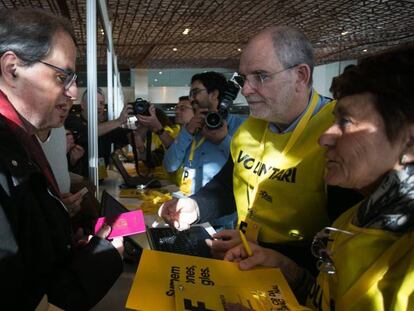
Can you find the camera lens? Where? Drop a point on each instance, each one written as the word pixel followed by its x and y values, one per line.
pixel 141 107
pixel 213 120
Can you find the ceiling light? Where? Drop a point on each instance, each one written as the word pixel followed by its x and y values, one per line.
pixel 155 80
pixel 344 33
pixel 364 50
pixel 186 31
pixel 175 49
pixel 160 72
pixel 239 49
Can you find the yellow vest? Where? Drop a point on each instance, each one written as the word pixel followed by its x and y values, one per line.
pixel 374 270
pixel 156 141
pixel 290 202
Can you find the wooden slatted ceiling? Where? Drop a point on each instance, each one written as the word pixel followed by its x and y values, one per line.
pixel 146 31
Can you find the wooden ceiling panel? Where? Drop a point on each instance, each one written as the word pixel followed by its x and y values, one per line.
pixel 146 31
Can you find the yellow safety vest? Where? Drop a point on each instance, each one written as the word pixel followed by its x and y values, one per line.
pixel 156 141
pixel 374 270
pixel 290 201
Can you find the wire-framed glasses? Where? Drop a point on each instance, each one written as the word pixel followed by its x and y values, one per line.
pixel 319 248
pixel 69 75
pixel 259 78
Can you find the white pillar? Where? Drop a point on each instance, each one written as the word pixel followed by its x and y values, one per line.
pixel 92 90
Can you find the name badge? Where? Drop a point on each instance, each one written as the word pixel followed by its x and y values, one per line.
pixel 187 180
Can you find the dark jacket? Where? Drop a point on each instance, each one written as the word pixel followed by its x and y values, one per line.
pixel 79 127
pixel 36 257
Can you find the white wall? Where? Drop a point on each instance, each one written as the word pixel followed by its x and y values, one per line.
pixel 170 94
pixel 322 79
pixel 322 75
pixel 166 94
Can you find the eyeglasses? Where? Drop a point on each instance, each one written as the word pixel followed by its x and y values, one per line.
pixel 319 249
pixel 194 92
pixel 257 80
pixel 69 75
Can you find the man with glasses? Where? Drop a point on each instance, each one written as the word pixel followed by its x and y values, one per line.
pixel 109 132
pixel 199 152
pixel 183 111
pixel 276 166
pixel 38 261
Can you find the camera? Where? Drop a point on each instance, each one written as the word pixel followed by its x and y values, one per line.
pixel 141 106
pixel 214 119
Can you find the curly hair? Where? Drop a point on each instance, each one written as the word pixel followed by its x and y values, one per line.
pixel 389 77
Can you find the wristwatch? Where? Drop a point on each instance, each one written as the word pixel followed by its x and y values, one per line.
pixel 160 131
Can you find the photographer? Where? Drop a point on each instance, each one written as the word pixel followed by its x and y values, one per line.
pixel 108 131
pixel 154 134
pixel 198 151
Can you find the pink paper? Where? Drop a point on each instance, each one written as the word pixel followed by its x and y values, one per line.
pixel 123 224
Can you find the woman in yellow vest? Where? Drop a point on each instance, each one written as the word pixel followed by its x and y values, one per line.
pixel 366 259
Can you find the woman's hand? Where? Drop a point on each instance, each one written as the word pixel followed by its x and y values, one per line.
pixel 265 257
pixel 222 242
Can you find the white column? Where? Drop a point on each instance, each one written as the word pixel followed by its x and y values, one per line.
pixel 92 79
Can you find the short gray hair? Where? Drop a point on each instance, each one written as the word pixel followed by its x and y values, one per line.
pixel 292 47
pixel 100 91
pixel 28 32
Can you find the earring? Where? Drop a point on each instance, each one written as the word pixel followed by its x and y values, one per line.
pixel 403 160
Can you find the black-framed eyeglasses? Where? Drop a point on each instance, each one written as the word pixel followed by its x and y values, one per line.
pixel 194 92
pixel 319 248
pixel 258 79
pixel 70 76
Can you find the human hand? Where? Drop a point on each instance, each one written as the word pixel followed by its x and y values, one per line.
pixel 151 121
pixel 72 202
pixel 216 136
pixel 265 257
pixel 118 242
pixel 197 121
pixel 179 213
pixel 125 113
pixel 222 241
pixel 76 153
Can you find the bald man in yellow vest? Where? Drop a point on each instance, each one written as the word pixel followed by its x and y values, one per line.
pixel 276 167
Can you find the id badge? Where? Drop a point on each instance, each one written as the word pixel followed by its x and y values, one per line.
pixel 187 180
pixel 250 228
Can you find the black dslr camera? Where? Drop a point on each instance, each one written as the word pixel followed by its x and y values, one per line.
pixel 141 106
pixel 214 119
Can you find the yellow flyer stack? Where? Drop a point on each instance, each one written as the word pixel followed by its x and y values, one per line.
pixel 166 281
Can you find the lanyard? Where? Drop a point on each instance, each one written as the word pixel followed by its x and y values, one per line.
pixel 194 146
pixel 300 127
